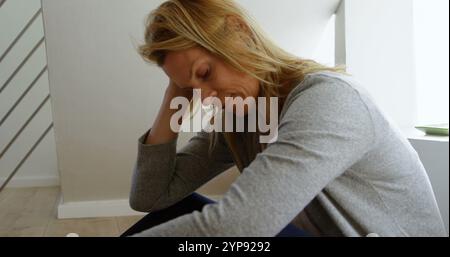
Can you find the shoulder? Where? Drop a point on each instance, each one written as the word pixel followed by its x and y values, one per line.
pixel 326 91
pixel 328 102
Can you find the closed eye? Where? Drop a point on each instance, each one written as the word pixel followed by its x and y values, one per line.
pixel 204 74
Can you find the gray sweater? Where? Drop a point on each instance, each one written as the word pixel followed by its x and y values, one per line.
pixel 337 162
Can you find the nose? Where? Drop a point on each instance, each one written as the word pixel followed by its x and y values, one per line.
pixel 205 93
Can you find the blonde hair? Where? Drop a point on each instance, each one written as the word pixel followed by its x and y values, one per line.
pixel 181 24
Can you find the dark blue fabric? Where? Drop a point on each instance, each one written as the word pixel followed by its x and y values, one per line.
pixel 194 202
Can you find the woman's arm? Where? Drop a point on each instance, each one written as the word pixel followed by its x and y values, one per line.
pixel 325 130
pixel 161 176
pixel 161 132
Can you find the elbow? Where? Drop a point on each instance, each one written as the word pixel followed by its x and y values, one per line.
pixel 145 203
pixel 139 204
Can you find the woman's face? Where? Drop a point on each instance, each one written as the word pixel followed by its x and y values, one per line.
pixel 196 68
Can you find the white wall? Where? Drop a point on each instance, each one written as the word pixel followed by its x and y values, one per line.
pixel 295 25
pixel 375 41
pixel 103 94
pixel 431 36
pixel 434 154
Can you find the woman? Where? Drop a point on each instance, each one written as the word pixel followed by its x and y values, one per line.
pixel 337 166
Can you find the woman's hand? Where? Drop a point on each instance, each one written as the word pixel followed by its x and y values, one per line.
pixel 161 132
pixel 173 90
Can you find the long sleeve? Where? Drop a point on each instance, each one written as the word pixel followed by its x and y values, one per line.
pixel 323 131
pixel 162 176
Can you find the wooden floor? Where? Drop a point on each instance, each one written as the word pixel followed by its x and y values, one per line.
pixel 32 212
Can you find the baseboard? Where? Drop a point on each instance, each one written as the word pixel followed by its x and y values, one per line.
pixel 106 208
pixel 19 182
pixel 94 209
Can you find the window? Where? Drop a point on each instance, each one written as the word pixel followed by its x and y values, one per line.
pixel 431 28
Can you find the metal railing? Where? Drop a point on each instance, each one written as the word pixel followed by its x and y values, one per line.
pixel 21 97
